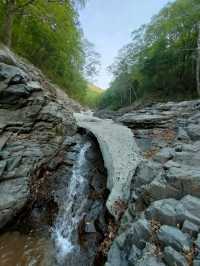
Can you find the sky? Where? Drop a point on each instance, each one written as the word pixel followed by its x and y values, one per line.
pixel 108 25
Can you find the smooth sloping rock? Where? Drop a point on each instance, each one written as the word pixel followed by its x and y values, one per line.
pixel 120 154
pixel 172 257
pixel 171 236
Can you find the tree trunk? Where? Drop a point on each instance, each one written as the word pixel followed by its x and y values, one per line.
pixel 8 22
pixel 198 61
pixel 130 96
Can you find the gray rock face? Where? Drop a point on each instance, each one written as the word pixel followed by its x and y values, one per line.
pixel 172 257
pixel 120 154
pixel 171 236
pixel 33 126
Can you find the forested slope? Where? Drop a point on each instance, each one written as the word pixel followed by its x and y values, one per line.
pixel 49 35
pixel 162 60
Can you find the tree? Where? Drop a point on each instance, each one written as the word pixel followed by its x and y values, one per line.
pixel 92 61
pixel 12 8
pixel 198 60
pixel 161 58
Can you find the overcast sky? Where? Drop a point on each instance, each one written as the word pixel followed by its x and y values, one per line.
pixel 109 23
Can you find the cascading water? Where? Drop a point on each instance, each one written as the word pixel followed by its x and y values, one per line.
pixel 71 213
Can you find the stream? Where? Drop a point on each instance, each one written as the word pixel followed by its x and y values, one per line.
pixel 71 213
pixel 77 232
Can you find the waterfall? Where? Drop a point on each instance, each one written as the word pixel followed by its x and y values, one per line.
pixel 65 229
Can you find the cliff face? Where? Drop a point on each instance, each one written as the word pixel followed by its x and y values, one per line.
pixel 34 123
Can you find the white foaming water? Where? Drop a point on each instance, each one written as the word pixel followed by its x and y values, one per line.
pixel 69 216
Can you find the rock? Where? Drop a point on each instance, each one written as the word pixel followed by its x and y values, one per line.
pixel 182 135
pixel 164 155
pixel 196 263
pixel 194 131
pixel 120 169
pixel 171 236
pixel 145 173
pixel 116 257
pixel 137 234
pixel 9 72
pixel 190 228
pixel 184 179
pixel 149 256
pixel 172 257
pixel 135 255
pixel 2 167
pixel 197 242
pixel 163 211
pixel 159 189
pixel 14 194
pixel 135 120
pixel 188 209
pixel 150 260
pixel 33 126
pixel 90 227
pixel 3 141
pixel 165 188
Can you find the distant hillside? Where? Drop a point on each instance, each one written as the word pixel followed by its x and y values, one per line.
pixel 93 95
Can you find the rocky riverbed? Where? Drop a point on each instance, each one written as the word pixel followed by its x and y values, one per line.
pixel 122 191
pixel 161 223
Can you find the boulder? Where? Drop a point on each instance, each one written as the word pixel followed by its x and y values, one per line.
pixel 190 228
pixel 163 211
pixel 150 260
pixel 164 155
pixel 137 120
pixel 149 256
pixel 194 131
pixel 196 263
pixel 188 209
pixel 171 236
pixel 172 257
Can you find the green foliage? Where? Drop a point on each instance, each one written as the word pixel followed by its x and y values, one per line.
pixel 92 96
pixel 160 60
pixel 47 33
